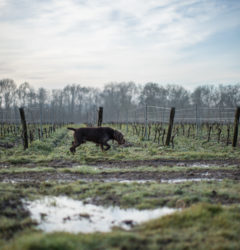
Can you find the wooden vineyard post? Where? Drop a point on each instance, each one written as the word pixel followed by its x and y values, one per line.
pixel 100 116
pixel 24 128
pixel 197 122
pixel 170 126
pixel 146 121
pixel 41 120
pixel 127 122
pixel 236 122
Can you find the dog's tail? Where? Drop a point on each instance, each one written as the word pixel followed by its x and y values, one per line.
pixel 74 129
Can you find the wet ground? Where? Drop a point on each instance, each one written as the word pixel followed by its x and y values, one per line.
pixel 120 176
pixel 131 163
pixel 61 214
pixel 168 162
pixel 199 170
pixel 65 214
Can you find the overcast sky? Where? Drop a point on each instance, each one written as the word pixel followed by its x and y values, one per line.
pixel 51 43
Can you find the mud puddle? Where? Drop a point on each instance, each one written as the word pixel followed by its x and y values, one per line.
pixel 65 214
pixel 180 180
pixel 139 176
pixel 169 162
pixel 60 163
pixel 191 180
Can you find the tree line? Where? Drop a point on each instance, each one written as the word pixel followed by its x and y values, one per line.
pixel 78 103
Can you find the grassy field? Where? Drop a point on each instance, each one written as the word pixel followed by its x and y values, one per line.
pixel 201 179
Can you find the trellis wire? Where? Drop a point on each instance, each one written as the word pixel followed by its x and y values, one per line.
pixel 34 115
pixel 194 114
pixel 201 115
pixel 154 114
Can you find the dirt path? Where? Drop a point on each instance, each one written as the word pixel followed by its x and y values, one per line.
pixel 167 162
pixel 134 175
pixel 121 176
pixel 130 163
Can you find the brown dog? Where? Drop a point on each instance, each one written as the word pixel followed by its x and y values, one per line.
pixel 99 135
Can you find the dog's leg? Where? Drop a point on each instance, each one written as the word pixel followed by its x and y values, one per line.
pixel 72 149
pixel 74 146
pixel 108 146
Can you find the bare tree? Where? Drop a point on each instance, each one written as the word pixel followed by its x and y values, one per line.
pixel 177 96
pixel 230 95
pixel 153 94
pixel 23 93
pixel 7 92
pixel 206 96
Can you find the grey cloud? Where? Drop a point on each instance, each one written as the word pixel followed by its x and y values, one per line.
pixel 20 10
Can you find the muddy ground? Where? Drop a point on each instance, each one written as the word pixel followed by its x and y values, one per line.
pixel 130 163
pixel 167 162
pixel 132 175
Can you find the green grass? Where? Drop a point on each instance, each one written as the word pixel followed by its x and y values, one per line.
pixel 139 195
pixel 202 226
pixel 57 148
pixel 210 218
pixel 86 169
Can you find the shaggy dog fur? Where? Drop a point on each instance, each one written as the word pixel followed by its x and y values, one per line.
pixel 99 135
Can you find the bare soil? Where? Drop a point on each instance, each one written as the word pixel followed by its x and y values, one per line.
pixel 130 164
pixel 203 173
pixel 120 176
pixel 167 162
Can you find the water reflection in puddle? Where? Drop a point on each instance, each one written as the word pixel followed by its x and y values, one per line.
pixel 15 180
pixel 128 181
pixel 200 165
pixel 191 179
pixel 195 165
pixel 65 214
pixel 177 180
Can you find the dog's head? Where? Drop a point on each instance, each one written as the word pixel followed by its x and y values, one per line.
pixel 119 137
